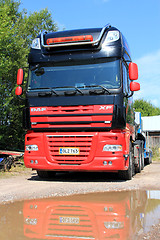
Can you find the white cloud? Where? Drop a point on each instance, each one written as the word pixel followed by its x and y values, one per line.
pixel 149 78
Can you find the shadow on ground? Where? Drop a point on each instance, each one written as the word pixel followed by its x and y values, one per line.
pixel 79 177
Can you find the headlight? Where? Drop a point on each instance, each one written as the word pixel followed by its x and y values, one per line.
pixel 36 43
pixel 30 221
pixel 31 147
pixel 112 148
pixel 114 225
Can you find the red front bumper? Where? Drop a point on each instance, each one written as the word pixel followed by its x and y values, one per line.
pixel 92 156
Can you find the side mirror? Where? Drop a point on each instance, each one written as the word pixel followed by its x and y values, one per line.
pixel 20 76
pixel 133 71
pixel 134 86
pixel 18 91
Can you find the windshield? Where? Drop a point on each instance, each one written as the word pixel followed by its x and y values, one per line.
pixel 103 74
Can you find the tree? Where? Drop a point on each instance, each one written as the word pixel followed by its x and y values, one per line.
pixel 18 29
pixel 146 108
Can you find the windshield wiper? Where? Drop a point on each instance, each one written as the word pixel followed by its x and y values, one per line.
pixel 71 92
pixel 98 91
pixel 41 94
pixel 78 90
pixel 54 92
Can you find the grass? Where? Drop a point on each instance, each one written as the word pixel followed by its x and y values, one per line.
pixel 18 169
pixel 156 153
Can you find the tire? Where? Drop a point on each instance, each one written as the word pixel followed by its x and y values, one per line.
pixel 4 164
pixel 147 161
pixel 127 174
pixel 150 159
pixel 142 160
pixel 139 167
pixel 45 174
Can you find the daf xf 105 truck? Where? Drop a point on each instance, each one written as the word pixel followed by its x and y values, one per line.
pixel 79 106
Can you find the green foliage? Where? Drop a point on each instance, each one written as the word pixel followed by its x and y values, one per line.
pixel 18 29
pixel 146 108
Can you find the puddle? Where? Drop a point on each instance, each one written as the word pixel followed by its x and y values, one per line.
pixel 112 215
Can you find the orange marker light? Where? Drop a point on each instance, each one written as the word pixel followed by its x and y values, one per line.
pixel 84 38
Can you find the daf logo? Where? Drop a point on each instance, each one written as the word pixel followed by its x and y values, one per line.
pixel 38 109
pixel 105 107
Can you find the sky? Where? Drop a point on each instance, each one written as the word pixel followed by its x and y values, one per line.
pixel 138 20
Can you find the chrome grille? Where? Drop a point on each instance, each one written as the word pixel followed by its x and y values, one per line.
pixel 77 223
pixel 83 142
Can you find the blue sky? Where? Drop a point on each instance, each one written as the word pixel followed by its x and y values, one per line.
pixel 138 20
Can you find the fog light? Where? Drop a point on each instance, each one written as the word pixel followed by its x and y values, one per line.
pixel 105 163
pixel 36 161
pixel 31 161
pixel 110 163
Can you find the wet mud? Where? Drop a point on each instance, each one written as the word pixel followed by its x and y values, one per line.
pixel 110 215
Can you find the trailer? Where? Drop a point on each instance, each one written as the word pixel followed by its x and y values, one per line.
pixel 79 103
pixel 143 137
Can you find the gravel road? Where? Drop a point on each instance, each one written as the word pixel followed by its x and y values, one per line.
pixel 29 185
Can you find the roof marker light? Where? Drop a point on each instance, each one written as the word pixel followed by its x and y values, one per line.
pixel 112 36
pixel 83 38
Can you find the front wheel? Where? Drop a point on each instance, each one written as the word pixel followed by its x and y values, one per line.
pixel 139 167
pixel 46 174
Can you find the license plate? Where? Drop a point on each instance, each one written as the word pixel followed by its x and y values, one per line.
pixel 69 151
pixel 69 220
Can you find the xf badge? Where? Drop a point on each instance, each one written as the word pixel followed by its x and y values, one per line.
pixel 105 107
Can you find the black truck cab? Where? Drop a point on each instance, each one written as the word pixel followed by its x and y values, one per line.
pixel 80 67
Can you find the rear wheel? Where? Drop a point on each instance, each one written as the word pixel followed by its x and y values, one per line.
pixel 150 158
pixel 139 167
pixel 46 174
pixel 147 161
pixel 142 158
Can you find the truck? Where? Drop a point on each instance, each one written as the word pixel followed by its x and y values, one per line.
pixel 79 103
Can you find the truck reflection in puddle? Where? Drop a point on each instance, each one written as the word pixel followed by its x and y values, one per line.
pixel 111 215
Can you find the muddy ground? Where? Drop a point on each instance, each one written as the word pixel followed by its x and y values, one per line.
pixel 28 185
